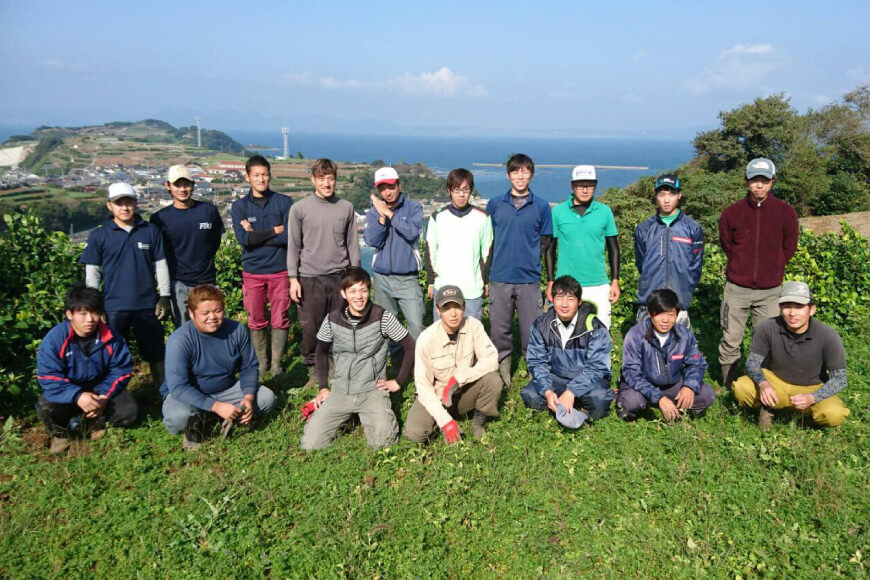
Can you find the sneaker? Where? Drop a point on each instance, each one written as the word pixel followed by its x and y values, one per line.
pixel 58 445
pixel 765 419
pixel 478 424
pixel 191 441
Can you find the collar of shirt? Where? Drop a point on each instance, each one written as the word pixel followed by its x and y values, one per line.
pixel 808 335
pixel 445 338
pixel 566 332
pixel 508 200
pixel 267 194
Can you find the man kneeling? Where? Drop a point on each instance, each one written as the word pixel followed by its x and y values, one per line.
pixel 569 359
pixel 360 335
pixel 455 372
pixel 661 364
pixel 804 363
pixel 210 367
pixel 83 369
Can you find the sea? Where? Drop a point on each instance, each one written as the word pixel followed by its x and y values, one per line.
pixel 643 156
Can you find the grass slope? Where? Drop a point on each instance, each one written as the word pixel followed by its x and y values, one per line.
pixel 711 497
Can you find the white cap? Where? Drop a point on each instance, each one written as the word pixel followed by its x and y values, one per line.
pixel 584 173
pixel 386 175
pixel 121 189
pixel 177 172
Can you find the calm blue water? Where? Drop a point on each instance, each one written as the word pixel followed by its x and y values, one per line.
pixel 443 154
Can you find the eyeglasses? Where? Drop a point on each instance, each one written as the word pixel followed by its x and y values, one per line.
pixel 464 190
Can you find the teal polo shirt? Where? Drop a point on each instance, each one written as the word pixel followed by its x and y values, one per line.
pixel 581 242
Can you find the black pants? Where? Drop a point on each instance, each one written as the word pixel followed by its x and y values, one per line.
pixel 320 296
pixel 146 328
pixel 121 411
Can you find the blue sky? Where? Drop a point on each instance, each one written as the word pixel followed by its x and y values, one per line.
pixel 480 68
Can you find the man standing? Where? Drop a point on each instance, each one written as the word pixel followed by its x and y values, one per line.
pixel 662 365
pixel 795 362
pixel 126 254
pixel 458 242
pixel 359 335
pixel 569 359
pixel 323 241
pixel 260 222
pixel 582 228
pixel 192 233
pixel 393 226
pixel 522 228
pixel 83 369
pixel 455 372
pixel 210 367
pixel 668 250
pixel 759 235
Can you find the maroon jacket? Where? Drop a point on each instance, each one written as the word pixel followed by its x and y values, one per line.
pixel 759 239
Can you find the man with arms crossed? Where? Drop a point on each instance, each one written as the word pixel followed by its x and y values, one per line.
pixel 393 227
pixel 83 369
pixel 359 334
pixel 260 224
pixel 210 368
pixel 323 242
pixel 455 372
pixel 192 233
pixel 126 254
pixel 458 242
pixel 522 229
pixel 795 362
pixel 582 228
pixel 569 359
pixel 759 235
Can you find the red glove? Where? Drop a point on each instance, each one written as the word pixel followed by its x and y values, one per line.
pixel 308 410
pixel 451 433
pixel 449 390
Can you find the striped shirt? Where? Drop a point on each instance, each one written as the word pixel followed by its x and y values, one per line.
pixel 390 327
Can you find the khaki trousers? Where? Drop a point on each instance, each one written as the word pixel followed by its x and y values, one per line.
pixel 737 303
pixel 828 412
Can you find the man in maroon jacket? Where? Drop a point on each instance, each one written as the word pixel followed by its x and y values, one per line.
pixel 759 235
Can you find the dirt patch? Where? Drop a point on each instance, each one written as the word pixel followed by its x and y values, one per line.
pixel 860 221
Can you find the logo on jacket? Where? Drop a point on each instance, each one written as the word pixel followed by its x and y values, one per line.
pixel 205 225
pixel 252 219
pixel 144 246
pixel 677 357
pixel 681 239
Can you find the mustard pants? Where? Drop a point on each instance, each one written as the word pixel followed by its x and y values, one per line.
pixel 828 412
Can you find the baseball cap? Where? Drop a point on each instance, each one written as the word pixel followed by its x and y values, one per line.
pixel 121 189
pixel 177 172
pixel 584 173
pixel 448 294
pixel 573 420
pixel 386 175
pixel 797 292
pixel 761 166
pixel 668 180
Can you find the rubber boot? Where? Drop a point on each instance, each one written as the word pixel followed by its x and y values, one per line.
pixel 157 373
pixel 258 338
pixel 478 424
pixel 504 369
pixel 729 373
pixel 279 346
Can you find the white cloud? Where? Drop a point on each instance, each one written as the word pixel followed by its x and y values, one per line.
pixel 631 98
pixel 822 100
pixel 743 66
pixel 858 74
pixel 441 83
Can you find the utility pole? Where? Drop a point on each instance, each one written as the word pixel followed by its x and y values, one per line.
pixel 198 134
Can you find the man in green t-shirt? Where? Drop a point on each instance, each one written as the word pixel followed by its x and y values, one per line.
pixel 582 228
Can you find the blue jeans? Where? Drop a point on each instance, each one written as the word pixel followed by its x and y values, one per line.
pixel 473 308
pixel 596 401
pixel 400 291
pixel 177 415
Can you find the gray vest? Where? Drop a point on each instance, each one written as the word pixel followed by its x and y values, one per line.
pixel 360 353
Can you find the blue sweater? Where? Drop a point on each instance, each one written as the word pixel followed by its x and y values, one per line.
pixel 669 257
pixel 199 365
pixel 650 368
pixel 397 240
pixel 64 372
pixel 269 257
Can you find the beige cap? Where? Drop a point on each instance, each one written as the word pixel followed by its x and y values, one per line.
pixel 177 172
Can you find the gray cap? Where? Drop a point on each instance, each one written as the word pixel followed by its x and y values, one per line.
pixel 761 166
pixel 448 294
pixel 572 420
pixel 797 292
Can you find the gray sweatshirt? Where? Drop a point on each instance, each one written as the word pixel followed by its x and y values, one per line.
pixel 322 237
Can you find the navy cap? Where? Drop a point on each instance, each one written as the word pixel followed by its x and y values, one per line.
pixel 668 180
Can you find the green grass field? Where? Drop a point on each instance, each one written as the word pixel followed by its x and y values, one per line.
pixel 711 497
